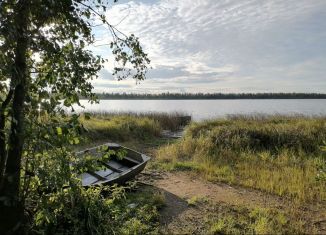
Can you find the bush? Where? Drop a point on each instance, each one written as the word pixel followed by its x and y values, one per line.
pixel 58 204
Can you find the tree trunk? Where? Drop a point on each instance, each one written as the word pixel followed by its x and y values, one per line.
pixel 11 210
pixel 3 148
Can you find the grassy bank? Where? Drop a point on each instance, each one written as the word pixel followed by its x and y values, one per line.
pixel 279 155
pixel 130 126
pixel 276 154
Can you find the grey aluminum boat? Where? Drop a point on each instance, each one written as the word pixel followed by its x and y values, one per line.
pixel 115 169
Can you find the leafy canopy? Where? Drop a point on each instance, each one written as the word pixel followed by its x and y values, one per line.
pixel 60 64
pixel 60 68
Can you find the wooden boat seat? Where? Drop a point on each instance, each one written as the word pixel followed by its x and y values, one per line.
pixel 88 179
pixel 114 166
pixel 124 168
pixel 105 172
pixel 132 160
pixel 96 175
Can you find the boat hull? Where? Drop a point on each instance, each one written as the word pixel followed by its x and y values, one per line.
pixel 115 170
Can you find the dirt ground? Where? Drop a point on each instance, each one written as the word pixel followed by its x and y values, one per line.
pixel 180 187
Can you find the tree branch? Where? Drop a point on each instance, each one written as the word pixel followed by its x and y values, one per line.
pixel 112 28
pixel 7 100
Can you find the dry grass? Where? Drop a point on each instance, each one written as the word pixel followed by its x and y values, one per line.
pixel 280 155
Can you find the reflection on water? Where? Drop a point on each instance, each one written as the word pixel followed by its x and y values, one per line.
pixel 206 109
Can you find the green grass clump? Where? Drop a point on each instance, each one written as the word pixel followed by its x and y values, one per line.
pixel 238 220
pixel 140 212
pixel 280 155
pixel 195 200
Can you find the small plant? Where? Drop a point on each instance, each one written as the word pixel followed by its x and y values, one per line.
pixel 195 200
pixel 240 220
pixel 219 226
pixel 158 200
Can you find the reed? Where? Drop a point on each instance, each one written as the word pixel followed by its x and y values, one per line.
pixel 169 121
pixel 129 125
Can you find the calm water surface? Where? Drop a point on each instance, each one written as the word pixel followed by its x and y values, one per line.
pixel 207 109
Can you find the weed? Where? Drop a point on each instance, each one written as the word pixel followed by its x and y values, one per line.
pixel 195 200
pixel 241 220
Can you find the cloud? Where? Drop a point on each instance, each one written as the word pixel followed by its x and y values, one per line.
pixel 209 45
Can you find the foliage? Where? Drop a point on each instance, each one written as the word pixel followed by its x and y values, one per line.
pixel 77 212
pixel 96 210
pixel 46 65
pixel 280 155
pixel 57 203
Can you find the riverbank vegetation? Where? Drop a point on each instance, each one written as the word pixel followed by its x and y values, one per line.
pixel 127 125
pixel 275 154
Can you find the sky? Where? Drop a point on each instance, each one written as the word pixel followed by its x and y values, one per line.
pixel 226 46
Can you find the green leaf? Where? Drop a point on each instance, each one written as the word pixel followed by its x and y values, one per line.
pixel 76 140
pixel 87 116
pixel 59 130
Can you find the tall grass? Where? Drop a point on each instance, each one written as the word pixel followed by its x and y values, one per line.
pixel 169 121
pixel 277 154
pixel 127 125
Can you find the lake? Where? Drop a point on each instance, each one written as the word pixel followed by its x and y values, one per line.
pixel 207 109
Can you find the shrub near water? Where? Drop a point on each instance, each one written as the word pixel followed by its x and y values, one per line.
pixel 281 155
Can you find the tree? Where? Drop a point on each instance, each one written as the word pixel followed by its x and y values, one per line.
pixel 44 62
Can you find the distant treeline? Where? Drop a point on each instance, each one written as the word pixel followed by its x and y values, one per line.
pixel 183 96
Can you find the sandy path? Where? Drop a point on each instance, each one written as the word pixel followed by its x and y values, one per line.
pixel 186 185
pixel 179 217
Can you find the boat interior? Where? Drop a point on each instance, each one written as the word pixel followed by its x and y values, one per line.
pixel 112 167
